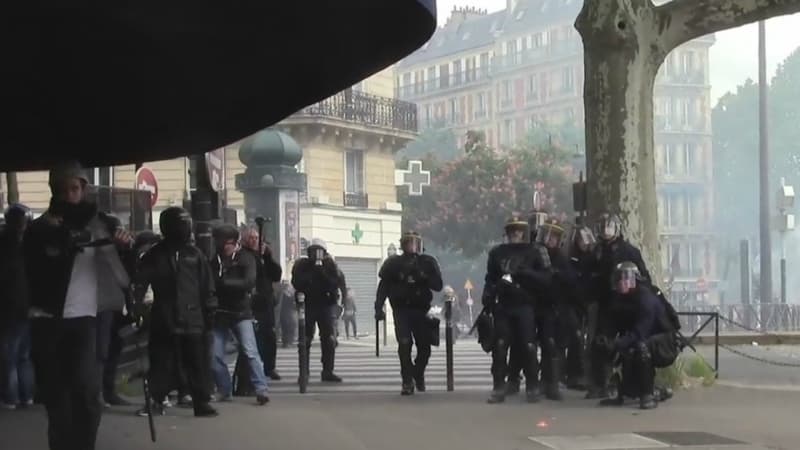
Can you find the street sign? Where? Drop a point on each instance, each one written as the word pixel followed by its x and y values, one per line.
pixel 701 284
pixel 215 163
pixel 146 181
pixel 468 285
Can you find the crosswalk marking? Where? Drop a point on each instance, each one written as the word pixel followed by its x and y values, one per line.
pixel 363 372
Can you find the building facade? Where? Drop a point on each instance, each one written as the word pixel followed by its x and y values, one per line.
pixel 508 72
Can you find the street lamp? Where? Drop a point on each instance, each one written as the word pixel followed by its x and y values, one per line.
pixel 785 205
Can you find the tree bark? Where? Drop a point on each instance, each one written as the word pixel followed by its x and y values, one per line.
pixel 621 59
pixel 12 187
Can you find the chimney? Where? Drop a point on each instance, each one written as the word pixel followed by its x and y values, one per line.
pixel 511 5
pixel 460 15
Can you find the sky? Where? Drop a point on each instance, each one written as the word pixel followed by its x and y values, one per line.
pixel 734 56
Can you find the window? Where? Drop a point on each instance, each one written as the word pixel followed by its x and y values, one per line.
pixel 101 176
pixel 484 60
pixel 454 115
pixel 505 94
pixel 427 115
pixel 508 132
pixel 567 80
pixel 685 111
pixel 688 154
pixel 457 74
pixel 687 62
pixel 354 172
pixel 532 88
pixel 469 74
pixel 537 40
pixel 406 79
pixel 480 105
pixel 431 81
pixel 444 75
pixel 513 55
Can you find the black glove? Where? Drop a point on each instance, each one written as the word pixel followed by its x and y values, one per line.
pixel 380 314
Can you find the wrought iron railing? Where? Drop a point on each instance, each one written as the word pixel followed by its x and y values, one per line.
pixel 365 109
pixel 755 317
pixel 356 199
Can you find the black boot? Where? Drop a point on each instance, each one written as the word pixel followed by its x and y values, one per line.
pixel 330 377
pixel 647 402
pixel 419 378
pixel 498 394
pixel 408 388
pixel 512 386
pixel 552 389
pixel 204 410
pixel 532 392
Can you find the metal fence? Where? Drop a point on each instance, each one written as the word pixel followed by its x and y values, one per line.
pixel 755 317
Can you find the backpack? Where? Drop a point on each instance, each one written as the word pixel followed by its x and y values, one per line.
pixel 672 319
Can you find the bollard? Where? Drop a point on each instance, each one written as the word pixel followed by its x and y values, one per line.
pixel 377 338
pixel 385 339
pixel 302 348
pixel 448 336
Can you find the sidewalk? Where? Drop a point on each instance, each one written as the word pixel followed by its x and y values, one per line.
pixel 446 421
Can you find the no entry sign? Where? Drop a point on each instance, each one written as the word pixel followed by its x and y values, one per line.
pixel 146 181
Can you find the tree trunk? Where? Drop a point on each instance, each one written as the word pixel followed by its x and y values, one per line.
pixel 13 187
pixel 621 59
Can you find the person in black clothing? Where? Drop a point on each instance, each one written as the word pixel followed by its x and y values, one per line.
pixel 63 252
pixel 554 312
pixel 182 312
pixel 407 280
pixel 517 274
pixel 15 333
pixel 644 336
pixel 268 272
pixel 319 278
pixel 582 260
pixel 236 275
pixel 612 250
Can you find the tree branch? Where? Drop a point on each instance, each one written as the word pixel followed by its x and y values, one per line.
pixel 684 20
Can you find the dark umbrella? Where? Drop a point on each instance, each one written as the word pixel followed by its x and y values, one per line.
pixel 117 82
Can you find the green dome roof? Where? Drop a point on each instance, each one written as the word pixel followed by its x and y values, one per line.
pixel 270 147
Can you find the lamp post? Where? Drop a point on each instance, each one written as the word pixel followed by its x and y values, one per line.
pixel 785 205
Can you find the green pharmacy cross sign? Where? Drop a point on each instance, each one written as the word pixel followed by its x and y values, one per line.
pixel 357 234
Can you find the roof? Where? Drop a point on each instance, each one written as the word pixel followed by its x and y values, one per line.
pixel 481 31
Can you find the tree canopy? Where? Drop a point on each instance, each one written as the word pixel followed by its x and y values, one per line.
pixel 735 125
pixel 471 197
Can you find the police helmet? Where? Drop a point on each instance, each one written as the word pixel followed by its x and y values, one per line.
pixel 626 277
pixel 550 233
pixel 411 242
pixel 517 223
pixel 609 227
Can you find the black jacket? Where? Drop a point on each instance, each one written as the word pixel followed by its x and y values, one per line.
pixel 320 284
pixel 14 295
pixel 184 299
pixel 607 257
pixel 637 316
pixel 530 276
pixel 235 279
pixel 408 280
pixel 268 271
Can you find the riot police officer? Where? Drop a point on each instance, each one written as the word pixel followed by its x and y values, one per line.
pixel 515 273
pixel 581 257
pixel 555 318
pixel 319 278
pixel 184 304
pixel 408 280
pixel 644 335
pixel 612 250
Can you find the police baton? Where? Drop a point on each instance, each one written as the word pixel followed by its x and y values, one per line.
pixel 448 337
pixel 302 349
pixel 377 338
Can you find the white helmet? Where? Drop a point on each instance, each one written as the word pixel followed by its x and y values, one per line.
pixel 317 242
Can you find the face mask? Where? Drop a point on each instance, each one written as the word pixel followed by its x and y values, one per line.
pixel 75 215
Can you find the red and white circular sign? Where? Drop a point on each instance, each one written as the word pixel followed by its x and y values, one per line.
pixel 215 163
pixel 701 284
pixel 146 181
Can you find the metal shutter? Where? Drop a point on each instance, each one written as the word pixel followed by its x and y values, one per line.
pixel 362 277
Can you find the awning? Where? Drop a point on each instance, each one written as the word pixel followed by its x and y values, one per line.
pixel 119 82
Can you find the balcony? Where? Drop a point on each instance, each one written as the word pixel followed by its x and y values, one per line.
pixel 665 124
pixel 355 199
pixel 558 49
pixel 439 85
pixel 692 78
pixel 364 109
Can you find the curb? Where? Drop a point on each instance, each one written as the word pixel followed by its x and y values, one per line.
pixel 758 387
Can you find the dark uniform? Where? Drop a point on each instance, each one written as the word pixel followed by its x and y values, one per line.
pixel 643 335
pixel 583 265
pixel 515 273
pixel 184 304
pixel 319 278
pixel 612 250
pixel 408 280
pixel 269 271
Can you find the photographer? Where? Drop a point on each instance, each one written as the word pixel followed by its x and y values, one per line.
pixel 65 250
